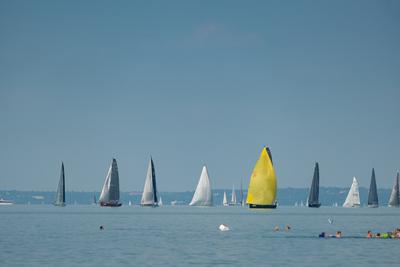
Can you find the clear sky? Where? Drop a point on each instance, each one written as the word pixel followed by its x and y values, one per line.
pixel 198 82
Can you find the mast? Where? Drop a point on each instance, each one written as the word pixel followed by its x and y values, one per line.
pixel 262 187
pixel 373 194
pixel 149 196
pixel 203 194
pixel 394 196
pixel 313 197
pixel 60 196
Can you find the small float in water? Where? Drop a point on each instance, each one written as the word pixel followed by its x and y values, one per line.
pixel 224 227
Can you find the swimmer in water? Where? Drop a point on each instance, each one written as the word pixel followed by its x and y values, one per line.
pixel 101 227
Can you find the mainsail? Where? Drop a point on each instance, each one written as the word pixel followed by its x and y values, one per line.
pixel 233 197
pixel 313 197
pixel 110 193
pixel 60 196
pixel 225 200
pixel 373 193
pixel 149 196
pixel 353 197
pixel 262 186
pixel 394 196
pixel 203 194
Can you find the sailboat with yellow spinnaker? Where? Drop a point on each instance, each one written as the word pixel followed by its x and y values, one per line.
pixel 262 187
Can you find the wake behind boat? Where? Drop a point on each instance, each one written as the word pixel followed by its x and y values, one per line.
pixel 262 188
pixel 109 196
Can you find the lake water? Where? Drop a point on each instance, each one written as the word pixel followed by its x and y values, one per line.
pixel 41 235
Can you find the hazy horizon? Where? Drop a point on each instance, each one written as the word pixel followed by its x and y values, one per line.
pixel 193 83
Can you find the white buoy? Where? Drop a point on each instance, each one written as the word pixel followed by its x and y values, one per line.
pixel 224 227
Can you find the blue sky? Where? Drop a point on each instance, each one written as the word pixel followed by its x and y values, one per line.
pixel 193 83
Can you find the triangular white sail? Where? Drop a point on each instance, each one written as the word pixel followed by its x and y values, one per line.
pixel 149 196
pixel 353 197
pixel 233 197
pixel 160 203
pixel 225 201
pixel 203 194
pixel 110 193
pixel 394 196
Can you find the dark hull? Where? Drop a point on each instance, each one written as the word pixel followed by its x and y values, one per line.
pixel 149 205
pixel 317 205
pixel 59 204
pixel 110 204
pixel 257 206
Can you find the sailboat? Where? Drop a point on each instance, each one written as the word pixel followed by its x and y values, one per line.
pixel 225 201
pixel 353 197
pixel 60 196
pixel 109 196
pixel 94 199
pixel 241 194
pixel 160 203
pixel 373 194
pixel 314 191
pixel 130 203
pixel 203 194
pixel 262 186
pixel 233 197
pixel 149 196
pixel 394 196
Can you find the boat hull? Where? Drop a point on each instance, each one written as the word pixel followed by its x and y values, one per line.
pixel 316 205
pixel 373 206
pixel 258 206
pixel 59 204
pixel 149 205
pixel 103 204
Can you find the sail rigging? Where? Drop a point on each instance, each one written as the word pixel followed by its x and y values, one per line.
pixel 353 197
pixel 262 187
pixel 110 193
pixel 203 194
pixel 373 193
pixel 149 196
pixel 394 196
pixel 313 197
pixel 60 196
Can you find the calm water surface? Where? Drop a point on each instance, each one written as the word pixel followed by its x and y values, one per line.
pixel 183 236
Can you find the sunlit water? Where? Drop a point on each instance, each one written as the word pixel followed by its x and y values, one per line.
pixel 183 236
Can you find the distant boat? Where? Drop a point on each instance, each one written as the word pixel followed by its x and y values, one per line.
pixel 353 197
pixel 394 196
pixel 225 200
pixel 241 194
pixel 4 202
pixel 160 203
pixel 94 199
pixel 60 196
pixel 313 197
pixel 149 196
pixel 109 196
pixel 301 204
pixel 203 194
pixel 373 194
pixel 262 187
pixel 233 197
pixel 130 203
pixel 296 204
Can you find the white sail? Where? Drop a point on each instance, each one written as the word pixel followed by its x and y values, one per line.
pixel 394 196
pixel 203 194
pixel 353 197
pixel 105 191
pixel 149 196
pixel 225 201
pixel 110 192
pixel 160 203
pixel 233 198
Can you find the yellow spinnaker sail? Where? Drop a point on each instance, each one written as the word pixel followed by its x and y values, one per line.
pixel 262 186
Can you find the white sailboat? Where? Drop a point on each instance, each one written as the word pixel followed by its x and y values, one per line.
pixel 353 197
pixel 225 201
pixel 394 199
pixel 203 194
pixel 160 203
pixel 149 197
pixel 233 197
pixel 109 196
